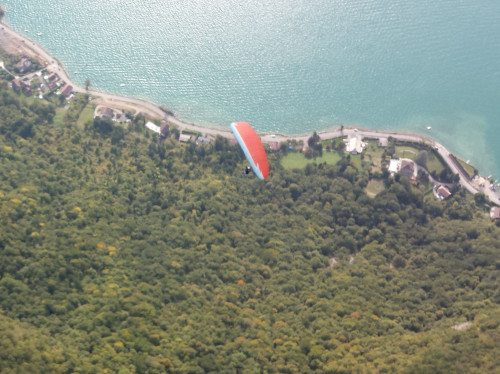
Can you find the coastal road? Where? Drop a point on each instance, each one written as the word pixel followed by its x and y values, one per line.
pixel 11 40
pixel 465 181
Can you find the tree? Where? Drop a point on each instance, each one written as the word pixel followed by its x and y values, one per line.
pixel 122 253
pixel 421 158
pixel 313 140
pixel 284 147
pixel 314 143
pixel 87 84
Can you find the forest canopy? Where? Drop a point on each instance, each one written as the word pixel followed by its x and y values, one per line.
pixel 122 253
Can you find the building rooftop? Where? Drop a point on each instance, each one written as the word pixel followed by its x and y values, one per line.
pixel 204 139
pixel 153 127
pixel 66 91
pixel 443 192
pixel 354 144
pixel 495 212
pixel 184 138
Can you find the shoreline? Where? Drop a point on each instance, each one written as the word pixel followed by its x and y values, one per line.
pixel 18 44
pixel 52 64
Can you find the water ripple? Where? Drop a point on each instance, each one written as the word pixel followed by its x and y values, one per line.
pixel 290 65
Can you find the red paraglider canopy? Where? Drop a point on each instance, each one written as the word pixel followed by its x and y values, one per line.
pixel 251 145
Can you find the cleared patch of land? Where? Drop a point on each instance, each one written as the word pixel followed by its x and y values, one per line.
pixel 296 160
pixel 374 187
pixel 59 117
pixel 86 115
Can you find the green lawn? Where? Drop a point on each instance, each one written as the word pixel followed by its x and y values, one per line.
pixel 406 152
pixel 58 118
pixel 356 161
pixel 326 143
pixel 469 169
pixel 191 132
pixel 86 115
pixel 434 164
pixel 296 160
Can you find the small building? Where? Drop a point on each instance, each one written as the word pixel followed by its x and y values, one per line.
pixel 164 130
pixel 443 192
pixel 383 142
pixel 120 117
pixel 204 139
pixel 52 77
pixel 394 165
pixel 274 146
pixel 408 168
pixel 153 127
pixel 23 66
pixel 107 113
pixel 184 138
pixel 15 85
pixel 67 90
pixel 27 89
pixel 403 166
pixel 495 212
pixel 354 144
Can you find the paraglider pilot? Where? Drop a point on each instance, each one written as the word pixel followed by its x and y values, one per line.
pixel 253 149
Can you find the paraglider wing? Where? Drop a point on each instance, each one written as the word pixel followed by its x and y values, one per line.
pixel 251 145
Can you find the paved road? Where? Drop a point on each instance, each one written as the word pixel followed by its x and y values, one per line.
pixel 53 65
pixel 443 152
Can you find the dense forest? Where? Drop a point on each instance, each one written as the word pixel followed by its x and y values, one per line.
pixel 121 253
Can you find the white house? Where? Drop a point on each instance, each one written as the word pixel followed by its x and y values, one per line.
pixel 394 165
pixel 153 127
pixel 354 144
pixel 403 166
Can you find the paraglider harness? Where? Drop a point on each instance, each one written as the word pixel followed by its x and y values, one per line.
pixel 247 170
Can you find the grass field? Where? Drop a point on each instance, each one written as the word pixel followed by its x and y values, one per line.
pixel 191 132
pixel 373 155
pixel 356 161
pixel 296 160
pixel 86 115
pixel 434 164
pixel 406 152
pixel 58 118
pixel 469 169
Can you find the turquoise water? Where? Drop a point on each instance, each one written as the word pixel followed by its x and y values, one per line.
pixel 291 66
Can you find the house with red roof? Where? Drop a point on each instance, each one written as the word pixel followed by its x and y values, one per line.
pixel 495 212
pixel 67 90
pixel 274 146
pixel 443 192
